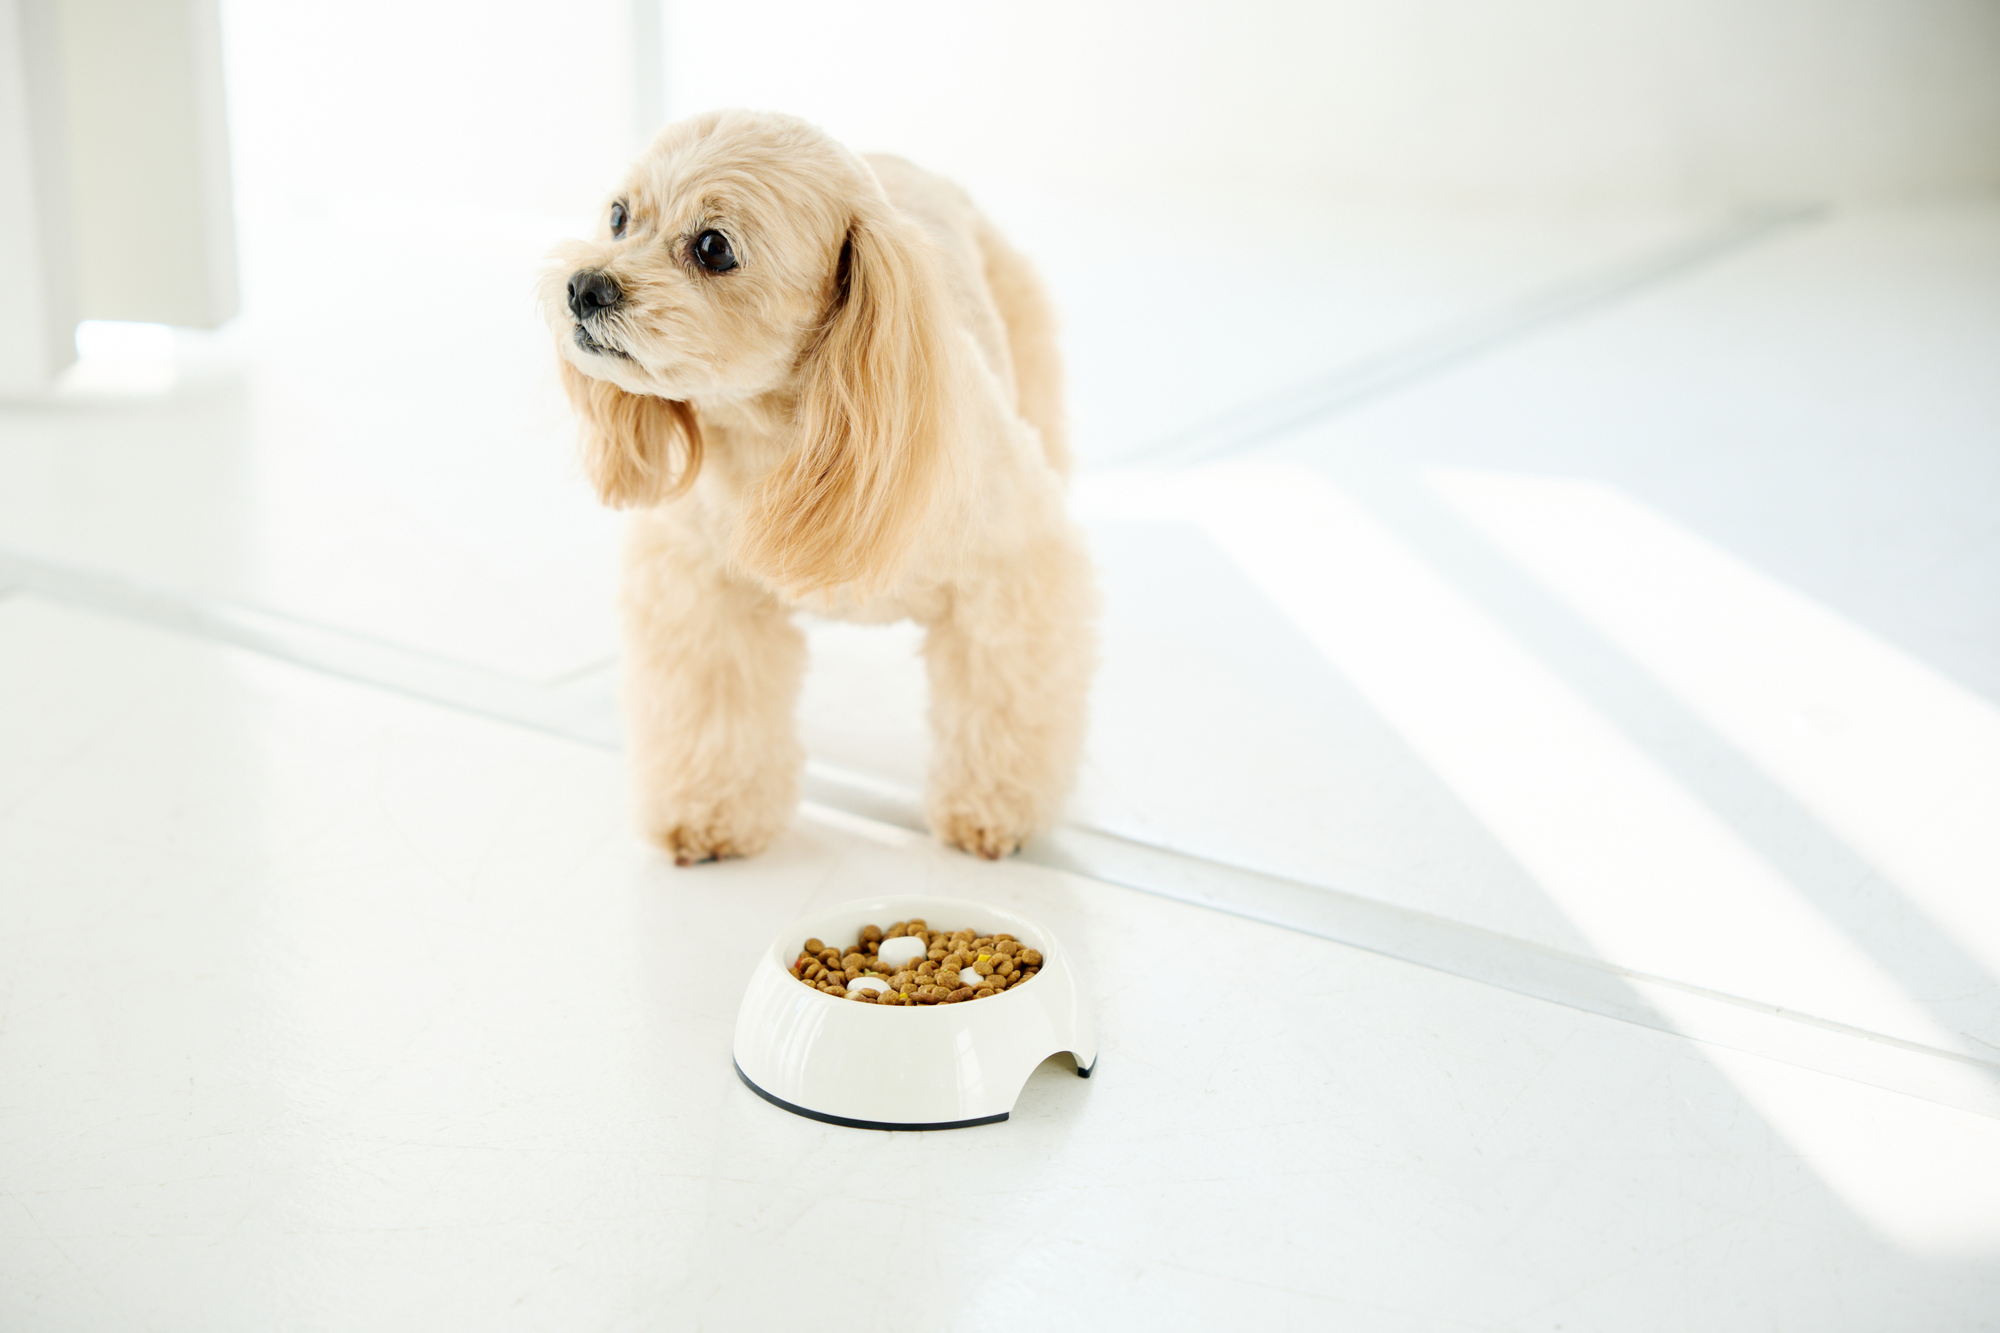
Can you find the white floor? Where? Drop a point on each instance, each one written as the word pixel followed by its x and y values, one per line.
pixel 328 1009
pixel 1623 683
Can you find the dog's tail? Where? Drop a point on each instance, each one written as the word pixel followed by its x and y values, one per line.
pixel 1031 341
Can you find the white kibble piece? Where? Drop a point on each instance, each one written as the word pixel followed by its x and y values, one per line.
pixel 968 977
pixel 902 950
pixel 875 984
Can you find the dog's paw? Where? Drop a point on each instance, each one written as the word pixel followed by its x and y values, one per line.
pixel 713 836
pixel 980 834
pixel 691 844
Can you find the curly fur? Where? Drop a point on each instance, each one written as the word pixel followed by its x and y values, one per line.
pixel 863 419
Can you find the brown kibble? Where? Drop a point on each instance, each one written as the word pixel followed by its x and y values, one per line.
pixel 1000 962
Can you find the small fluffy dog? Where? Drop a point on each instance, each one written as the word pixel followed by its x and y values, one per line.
pixel 824 381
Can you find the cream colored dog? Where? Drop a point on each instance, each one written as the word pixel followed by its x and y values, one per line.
pixel 824 382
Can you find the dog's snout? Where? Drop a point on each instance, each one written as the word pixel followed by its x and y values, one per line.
pixel 592 290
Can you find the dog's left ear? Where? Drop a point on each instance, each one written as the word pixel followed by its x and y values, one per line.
pixel 875 420
pixel 629 438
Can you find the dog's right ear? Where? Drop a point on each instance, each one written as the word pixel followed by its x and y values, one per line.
pixel 877 420
pixel 629 439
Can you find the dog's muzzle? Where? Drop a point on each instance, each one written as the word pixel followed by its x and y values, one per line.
pixel 593 292
pixel 581 337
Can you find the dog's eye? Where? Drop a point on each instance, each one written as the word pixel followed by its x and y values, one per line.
pixel 618 219
pixel 712 252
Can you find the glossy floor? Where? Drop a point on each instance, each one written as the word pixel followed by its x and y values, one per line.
pixel 331 1009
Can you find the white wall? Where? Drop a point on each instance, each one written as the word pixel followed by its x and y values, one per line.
pixel 115 199
pixel 37 276
pixel 1483 102
pixel 151 215
pixel 453 107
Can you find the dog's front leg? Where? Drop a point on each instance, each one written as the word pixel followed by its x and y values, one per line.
pixel 1010 666
pixel 711 674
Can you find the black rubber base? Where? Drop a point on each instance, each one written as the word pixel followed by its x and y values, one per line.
pixel 810 1114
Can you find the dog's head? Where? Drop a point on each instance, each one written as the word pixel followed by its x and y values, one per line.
pixel 749 259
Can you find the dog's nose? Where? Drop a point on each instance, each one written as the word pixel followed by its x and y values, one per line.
pixel 592 290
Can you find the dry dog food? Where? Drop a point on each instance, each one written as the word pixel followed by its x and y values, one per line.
pixel 933 967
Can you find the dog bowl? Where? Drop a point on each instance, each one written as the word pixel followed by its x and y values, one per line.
pixel 939 1066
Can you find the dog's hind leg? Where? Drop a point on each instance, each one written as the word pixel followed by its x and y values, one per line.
pixel 711 673
pixel 1030 320
pixel 1010 665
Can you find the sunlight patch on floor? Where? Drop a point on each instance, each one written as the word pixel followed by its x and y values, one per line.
pixel 1895 758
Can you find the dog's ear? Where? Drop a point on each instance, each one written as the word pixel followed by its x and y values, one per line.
pixel 875 419
pixel 628 441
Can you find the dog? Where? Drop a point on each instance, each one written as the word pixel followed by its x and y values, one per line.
pixel 824 382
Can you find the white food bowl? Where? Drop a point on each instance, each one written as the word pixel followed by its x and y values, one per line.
pixel 938 1066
